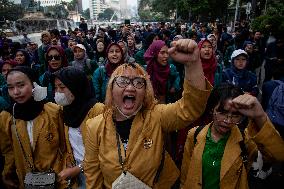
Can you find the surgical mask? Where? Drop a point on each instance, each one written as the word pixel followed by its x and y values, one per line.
pixel 39 93
pixel 62 99
pixel 129 116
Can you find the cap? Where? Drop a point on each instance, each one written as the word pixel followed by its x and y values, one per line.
pixel 178 37
pixel 80 46
pixel 238 52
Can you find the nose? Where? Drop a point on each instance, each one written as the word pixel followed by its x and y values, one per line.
pixel 16 91
pixel 130 86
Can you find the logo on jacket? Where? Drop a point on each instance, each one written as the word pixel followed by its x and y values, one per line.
pixel 148 143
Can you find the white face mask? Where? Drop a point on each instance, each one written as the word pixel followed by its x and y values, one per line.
pixel 62 99
pixel 39 93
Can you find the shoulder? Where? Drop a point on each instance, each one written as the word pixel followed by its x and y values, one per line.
pixel 52 108
pixel 95 124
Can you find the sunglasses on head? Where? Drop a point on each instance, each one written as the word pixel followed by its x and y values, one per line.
pixel 51 57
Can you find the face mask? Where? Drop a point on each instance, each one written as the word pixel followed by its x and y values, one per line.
pixel 61 99
pixel 39 93
pixel 128 116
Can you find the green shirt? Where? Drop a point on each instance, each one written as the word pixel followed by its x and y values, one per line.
pixel 211 161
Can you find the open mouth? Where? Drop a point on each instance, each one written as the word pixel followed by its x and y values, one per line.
pixel 129 101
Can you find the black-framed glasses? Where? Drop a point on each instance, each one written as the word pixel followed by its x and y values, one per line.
pixel 229 117
pixel 51 57
pixel 123 82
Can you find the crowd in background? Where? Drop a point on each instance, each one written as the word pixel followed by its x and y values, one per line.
pixel 244 58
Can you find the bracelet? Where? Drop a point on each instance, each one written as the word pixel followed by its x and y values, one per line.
pixel 81 168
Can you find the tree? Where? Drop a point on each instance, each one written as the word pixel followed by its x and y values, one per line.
pixel 86 13
pixel 9 11
pixel 57 11
pixel 106 15
pixel 209 9
pixel 272 21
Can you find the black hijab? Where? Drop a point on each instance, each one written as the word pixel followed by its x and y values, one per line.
pixel 79 85
pixel 31 109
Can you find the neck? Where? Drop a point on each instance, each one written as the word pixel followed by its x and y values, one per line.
pixel 215 135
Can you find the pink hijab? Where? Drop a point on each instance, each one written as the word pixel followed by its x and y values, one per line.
pixel 159 74
pixel 209 65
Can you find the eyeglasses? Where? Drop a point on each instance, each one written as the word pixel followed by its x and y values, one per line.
pixel 123 82
pixel 51 57
pixel 229 118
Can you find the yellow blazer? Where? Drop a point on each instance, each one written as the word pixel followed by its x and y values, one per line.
pixel 48 150
pixel 233 174
pixel 145 145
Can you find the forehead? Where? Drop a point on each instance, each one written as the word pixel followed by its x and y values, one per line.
pixel 114 47
pixel 78 49
pixel 206 43
pixel 164 48
pixel 241 56
pixel 53 51
pixel 16 76
pixel 19 53
pixel 57 81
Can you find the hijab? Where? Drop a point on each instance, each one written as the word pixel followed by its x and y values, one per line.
pixel 110 67
pixel 159 74
pixel 30 109
pixel 64 61
pixel 28 59
pixel 77 82
pixel 209 65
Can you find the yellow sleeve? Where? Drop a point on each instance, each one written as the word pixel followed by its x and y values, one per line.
pixel 92 171
pixel 186 110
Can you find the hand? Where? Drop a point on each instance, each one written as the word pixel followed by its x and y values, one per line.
pixel 249 106
pixel 68 173
pixel 184 51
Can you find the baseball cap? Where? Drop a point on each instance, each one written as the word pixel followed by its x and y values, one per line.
pixel 80 46
pixel 238 52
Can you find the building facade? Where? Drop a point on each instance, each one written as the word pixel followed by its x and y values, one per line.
pixel 97 7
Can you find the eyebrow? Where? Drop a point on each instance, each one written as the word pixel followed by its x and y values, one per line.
pixel 17 83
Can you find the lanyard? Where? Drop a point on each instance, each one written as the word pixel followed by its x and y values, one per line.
pixel 119 152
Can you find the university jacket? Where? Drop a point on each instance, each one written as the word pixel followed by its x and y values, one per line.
pixel 48 150
pixel 233 173
pixel 144 151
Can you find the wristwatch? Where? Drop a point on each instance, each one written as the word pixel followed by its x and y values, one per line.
pixel 81 168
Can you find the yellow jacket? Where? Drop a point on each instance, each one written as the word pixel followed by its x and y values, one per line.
pixel 142 158
pixel 93 112
pixel 48 150
pixel 233 174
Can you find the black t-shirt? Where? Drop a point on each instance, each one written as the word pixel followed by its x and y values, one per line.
pixel 123 129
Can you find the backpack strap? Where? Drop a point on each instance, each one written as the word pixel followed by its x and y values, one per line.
pixel 197 131
pixel 88 63
pixel 244 152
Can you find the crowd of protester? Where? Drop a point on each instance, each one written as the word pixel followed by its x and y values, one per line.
pixel 167 72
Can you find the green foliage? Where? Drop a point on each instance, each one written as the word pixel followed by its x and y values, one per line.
pixel 10 11
pixel 106 15
pixel 272 21
pixel 86 13
pixel 57 11
pixel 206 8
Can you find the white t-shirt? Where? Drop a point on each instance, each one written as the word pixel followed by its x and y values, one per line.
pixel 76 141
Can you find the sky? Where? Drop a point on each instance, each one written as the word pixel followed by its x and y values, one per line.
pixel 129 2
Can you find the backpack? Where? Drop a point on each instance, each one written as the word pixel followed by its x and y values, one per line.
pixel 275 108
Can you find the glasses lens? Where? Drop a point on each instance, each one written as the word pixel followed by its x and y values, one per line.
pixel 138 82
pixel 232 118
pixel 122 81
pixel 51 57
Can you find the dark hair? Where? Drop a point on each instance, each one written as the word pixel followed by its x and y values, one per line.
pixel 220 94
